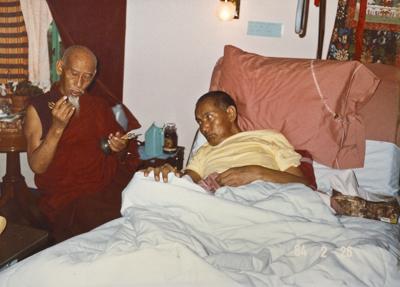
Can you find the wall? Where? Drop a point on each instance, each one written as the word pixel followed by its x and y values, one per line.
pixel 172 46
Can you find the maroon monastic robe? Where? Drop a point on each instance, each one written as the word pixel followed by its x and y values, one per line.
pixel 81 188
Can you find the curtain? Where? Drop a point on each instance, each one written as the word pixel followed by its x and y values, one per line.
pixel 99 25
pixel 368 31
pixel 37 20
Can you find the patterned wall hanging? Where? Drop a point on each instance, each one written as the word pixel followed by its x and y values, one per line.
pixel 13 43
pixel 367 30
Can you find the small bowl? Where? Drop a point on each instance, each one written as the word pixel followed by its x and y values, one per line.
pixel 105 146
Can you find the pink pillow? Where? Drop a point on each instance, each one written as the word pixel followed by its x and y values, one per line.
pixel 314 103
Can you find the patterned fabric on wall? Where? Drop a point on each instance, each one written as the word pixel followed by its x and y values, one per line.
pixel 368 31
pixel 13 43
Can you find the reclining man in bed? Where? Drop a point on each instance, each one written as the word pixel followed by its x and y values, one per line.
pixel 80 186
pixel 233 157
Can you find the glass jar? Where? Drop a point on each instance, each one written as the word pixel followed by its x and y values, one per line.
pixel 170 138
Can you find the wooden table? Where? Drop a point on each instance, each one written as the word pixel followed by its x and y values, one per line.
pixel 18 242
pixel 17 204
pixel 12 144
pixel 175 159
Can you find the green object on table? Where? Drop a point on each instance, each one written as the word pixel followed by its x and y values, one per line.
pixel 55 51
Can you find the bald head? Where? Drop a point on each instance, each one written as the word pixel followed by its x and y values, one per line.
pixel 78 51
pixel 76 69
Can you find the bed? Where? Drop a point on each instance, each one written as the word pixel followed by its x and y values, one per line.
pixel 260 234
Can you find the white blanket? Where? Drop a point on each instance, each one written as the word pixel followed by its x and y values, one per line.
pixel 261 234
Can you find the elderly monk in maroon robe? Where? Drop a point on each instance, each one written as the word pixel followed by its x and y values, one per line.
pixel 80 186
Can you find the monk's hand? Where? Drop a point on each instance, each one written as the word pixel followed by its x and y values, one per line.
pixel 116 142
pixel 162 171
pixel 237 176
pixel 62 112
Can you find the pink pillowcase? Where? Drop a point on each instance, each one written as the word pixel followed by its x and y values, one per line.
pixel 314 103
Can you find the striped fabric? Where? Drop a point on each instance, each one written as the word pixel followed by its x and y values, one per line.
pixel 13 43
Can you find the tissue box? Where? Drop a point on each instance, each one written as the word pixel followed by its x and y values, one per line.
pixel 386 211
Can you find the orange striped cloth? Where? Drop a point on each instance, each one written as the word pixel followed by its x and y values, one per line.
pixel 13 43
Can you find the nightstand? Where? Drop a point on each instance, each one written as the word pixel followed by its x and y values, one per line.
pixel 175 159
pixel 17 203
pixel 19 241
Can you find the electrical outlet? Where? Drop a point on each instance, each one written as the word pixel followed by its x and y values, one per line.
pixel 264 29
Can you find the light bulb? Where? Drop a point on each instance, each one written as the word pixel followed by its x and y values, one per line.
pixel 226 10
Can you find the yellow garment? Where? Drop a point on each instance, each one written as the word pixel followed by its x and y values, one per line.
pixel 267 148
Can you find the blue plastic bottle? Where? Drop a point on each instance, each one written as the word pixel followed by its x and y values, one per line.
pixel 154 141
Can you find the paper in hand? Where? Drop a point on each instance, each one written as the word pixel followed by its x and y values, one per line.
pixel 209 183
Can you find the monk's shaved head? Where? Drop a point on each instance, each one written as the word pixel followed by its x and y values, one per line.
pixel 78 51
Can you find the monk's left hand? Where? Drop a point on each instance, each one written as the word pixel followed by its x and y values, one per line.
pixel 242 175
pixel 116 142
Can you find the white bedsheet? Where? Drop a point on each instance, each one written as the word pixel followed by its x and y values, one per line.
pixel 261 234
